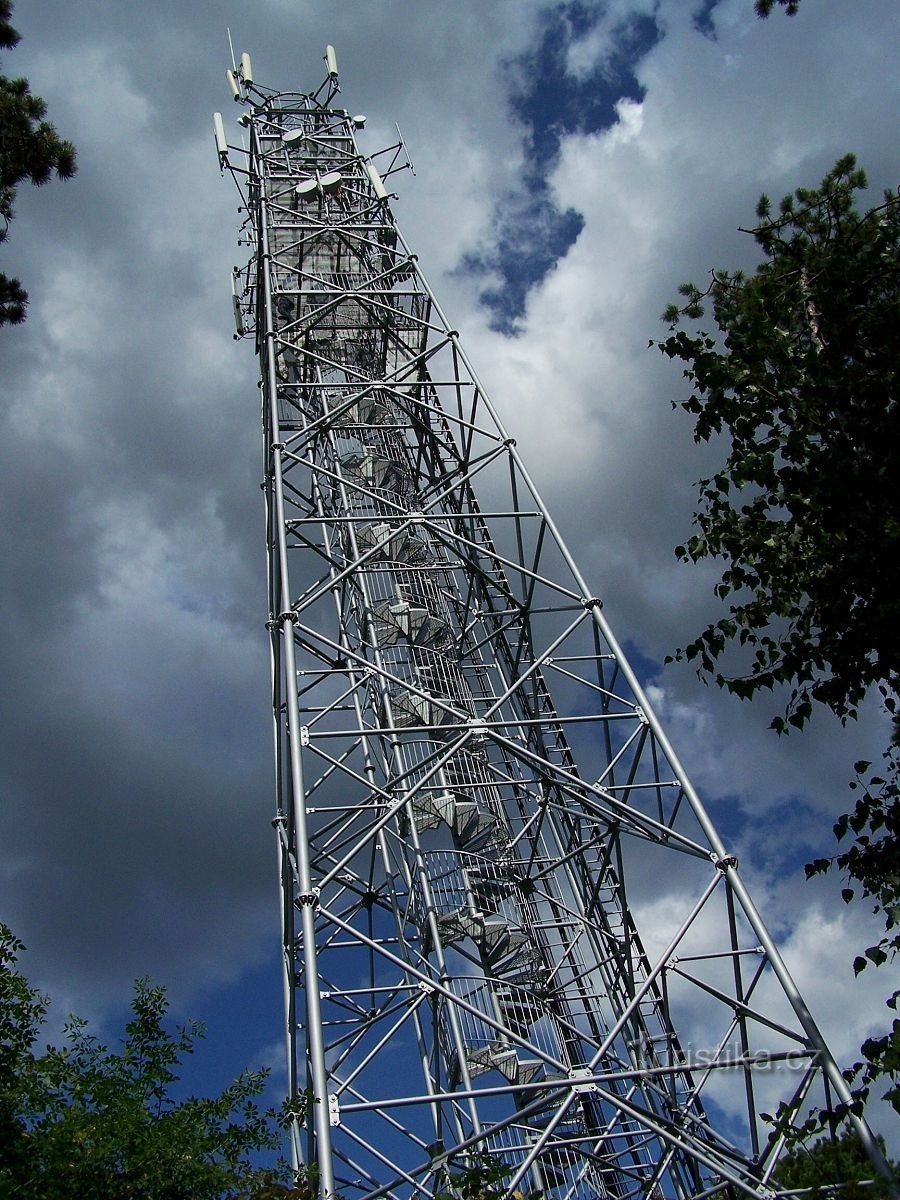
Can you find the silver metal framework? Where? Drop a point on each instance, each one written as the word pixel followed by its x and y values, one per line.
pixel 475 803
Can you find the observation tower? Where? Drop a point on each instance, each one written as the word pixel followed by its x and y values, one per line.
pixel 518 958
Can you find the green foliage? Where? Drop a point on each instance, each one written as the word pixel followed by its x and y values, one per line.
pixel 22 1012
pixel 871 869
pixel 800 385
pixel 764 7
pixel 829 1162
pixel 30 149
pixel 86 1122
pixel 805 511
pixel 481 1178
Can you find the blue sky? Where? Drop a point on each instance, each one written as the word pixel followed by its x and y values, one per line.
pixel 575 162
pixel 529 232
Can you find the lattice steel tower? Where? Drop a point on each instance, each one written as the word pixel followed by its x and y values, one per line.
pixel 475 802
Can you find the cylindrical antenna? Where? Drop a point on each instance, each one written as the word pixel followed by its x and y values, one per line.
pixel 375 180
pixel 236 302
pixel 246 68
pixel 233 84
pixel 331 62
pixel 221 140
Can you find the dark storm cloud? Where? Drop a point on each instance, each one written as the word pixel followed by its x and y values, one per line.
pixel 134 733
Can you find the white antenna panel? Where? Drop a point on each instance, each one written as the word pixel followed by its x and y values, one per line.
pixel 221 140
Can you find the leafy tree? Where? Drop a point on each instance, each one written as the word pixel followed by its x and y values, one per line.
pixel 801 388
pixel 829 1162
pixel 29 150
pixel 871 866
pixel 805 512
pixel 86 1122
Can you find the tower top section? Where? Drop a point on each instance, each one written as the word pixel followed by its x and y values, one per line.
pixel 245 91
pixel 260 102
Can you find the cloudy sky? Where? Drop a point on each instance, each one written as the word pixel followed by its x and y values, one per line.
pixel 574 163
